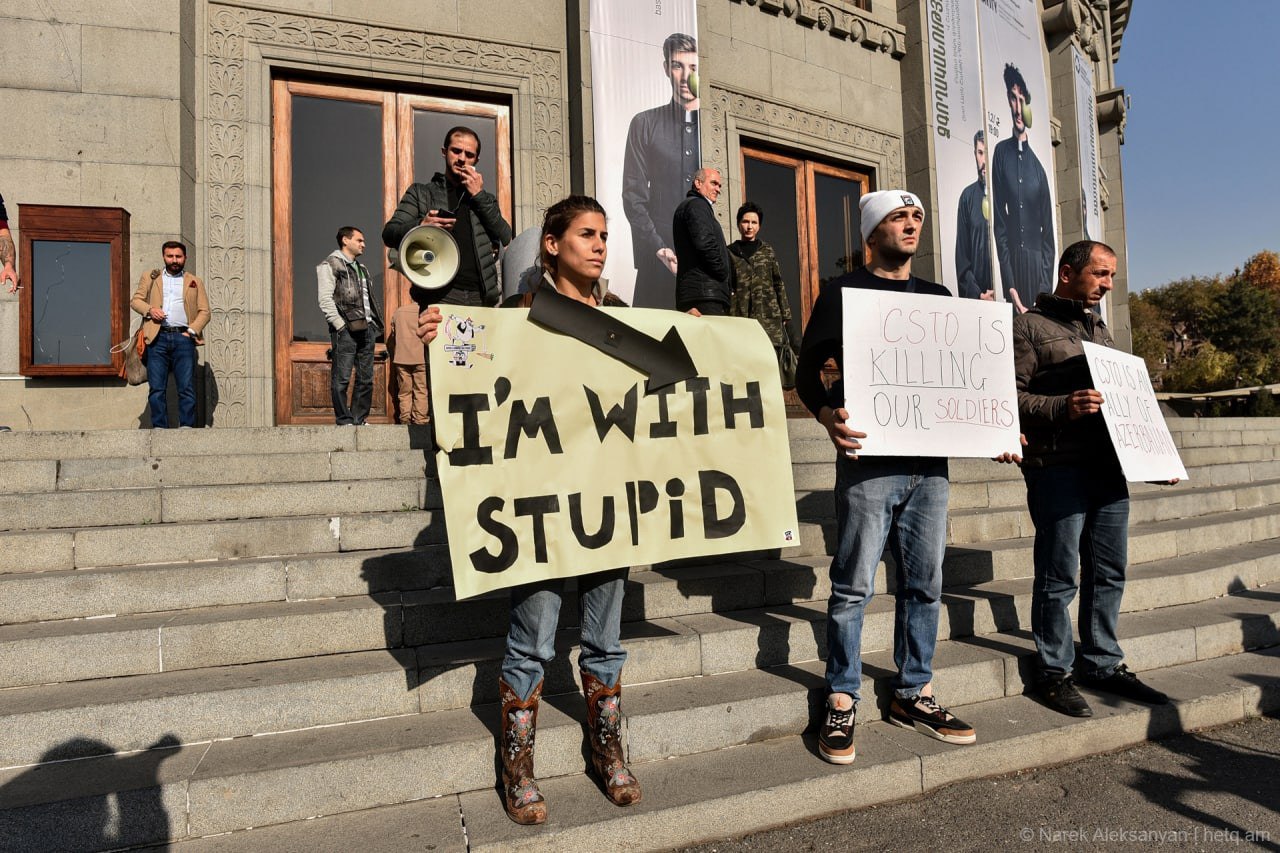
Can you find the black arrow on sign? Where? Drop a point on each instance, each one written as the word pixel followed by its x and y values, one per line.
pixel 665 361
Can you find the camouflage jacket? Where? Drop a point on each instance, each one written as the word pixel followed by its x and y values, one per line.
pixel 761 293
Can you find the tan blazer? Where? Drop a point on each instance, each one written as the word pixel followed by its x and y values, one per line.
pixel 150 294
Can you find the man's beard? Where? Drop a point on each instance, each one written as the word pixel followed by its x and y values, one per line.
pixel 174 269
pixel 896 257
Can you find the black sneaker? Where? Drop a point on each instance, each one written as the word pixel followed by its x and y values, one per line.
pixel 1061 695
pixel 926 716
pixel 835 738
pixel 1124 683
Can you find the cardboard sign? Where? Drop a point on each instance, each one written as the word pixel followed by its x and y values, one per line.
pixel 929 375
pixel 1138 431
pixel 556 462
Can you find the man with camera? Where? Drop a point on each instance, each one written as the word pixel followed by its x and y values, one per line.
pixel 355 319
pixel 458 202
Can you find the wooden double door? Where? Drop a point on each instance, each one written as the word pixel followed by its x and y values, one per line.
pixel 344 156
pixel 811 221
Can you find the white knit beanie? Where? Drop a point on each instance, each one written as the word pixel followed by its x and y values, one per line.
pixel 875 206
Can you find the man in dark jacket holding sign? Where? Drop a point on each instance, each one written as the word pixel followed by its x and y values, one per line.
pixel 898 500
pixel 458 202
pixel 1076 490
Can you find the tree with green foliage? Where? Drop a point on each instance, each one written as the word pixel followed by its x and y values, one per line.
pixel 1208 334
pixel 1244 322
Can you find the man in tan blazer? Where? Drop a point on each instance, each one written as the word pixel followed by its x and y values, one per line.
pixel 175 310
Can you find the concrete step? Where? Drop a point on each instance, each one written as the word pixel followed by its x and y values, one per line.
pixel 120 507
pixel 1005 605
pixel 1229 454
pixel 1005 559
pixel 401 583
pixel 142 544
pixel 143 444
pixel 701 798
pixel 130 590
pixel 705 757
pixel 1150 504
pixel 667 658
pixel 228 469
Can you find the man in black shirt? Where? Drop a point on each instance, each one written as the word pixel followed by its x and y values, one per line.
pixel 1023 209
pixel 458 202
pixel 898 500
pixel 973 248
pixel 661 156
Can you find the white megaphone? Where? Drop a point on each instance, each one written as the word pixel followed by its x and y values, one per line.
pixel 428 257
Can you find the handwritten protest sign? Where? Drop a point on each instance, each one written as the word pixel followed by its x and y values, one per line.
pixel 556 462
pixel 929 375
pixel 1138 431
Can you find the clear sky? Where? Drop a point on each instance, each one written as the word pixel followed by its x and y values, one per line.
pixel 1201 156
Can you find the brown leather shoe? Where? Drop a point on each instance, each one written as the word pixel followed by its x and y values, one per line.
pixel 520 795
pixel 604 730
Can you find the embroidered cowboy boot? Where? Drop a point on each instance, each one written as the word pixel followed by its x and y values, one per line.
pixel 604 731
pixel 520 794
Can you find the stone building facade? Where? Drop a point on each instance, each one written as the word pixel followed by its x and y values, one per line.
pixel 171 110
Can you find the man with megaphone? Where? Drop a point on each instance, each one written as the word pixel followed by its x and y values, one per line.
pixel 457 202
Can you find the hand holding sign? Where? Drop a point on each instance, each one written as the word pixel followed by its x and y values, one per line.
pixel 1081 403
pixel 558 462
pixel 929 375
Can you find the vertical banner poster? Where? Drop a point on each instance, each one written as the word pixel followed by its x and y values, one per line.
pixel 565 464
pixel 1087 130
pixel 1138 431
pixel 960 147
pixel 644 104
pixel 929 375
pixel 1017 101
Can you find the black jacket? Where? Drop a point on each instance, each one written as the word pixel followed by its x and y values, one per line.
pixel 661 156
pixel 824 336
pixel 704 270
pixel 1049 363
pixel 486 222
pixel 973 252
pixel 1023 220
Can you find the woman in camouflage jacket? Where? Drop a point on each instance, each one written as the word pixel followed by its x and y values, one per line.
pixel 761 294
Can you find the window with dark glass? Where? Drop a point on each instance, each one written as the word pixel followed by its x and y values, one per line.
pixel 74 303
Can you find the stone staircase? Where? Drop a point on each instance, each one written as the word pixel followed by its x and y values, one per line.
pixel 207 632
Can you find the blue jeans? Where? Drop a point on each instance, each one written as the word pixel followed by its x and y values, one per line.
pixel 174 352
pixel 352 349
pixel 1081 515
pixel 901 501
pixel 535 611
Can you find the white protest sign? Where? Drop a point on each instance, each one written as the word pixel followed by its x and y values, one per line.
pixel 1138 431
pixel 555 461
pixel 929 375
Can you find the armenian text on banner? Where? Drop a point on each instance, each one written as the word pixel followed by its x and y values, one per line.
pixel 960 148
pixel 1138 431
pixel 1087 138
pixel 929 375
pixel 555 460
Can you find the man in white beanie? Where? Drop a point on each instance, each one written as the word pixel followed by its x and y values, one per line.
pixel 901 501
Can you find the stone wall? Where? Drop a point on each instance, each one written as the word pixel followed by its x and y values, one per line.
pixel 96 102
pixel 164 108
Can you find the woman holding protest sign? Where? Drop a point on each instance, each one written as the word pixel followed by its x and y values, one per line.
pixel 573 251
